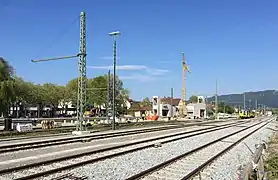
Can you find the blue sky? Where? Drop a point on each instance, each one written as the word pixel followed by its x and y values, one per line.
pixel 235 41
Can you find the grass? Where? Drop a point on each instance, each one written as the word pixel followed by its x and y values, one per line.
pixel 271 163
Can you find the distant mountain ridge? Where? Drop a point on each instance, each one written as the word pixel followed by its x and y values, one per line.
pixel 267 97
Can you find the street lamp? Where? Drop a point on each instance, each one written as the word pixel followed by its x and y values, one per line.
pixel 114 34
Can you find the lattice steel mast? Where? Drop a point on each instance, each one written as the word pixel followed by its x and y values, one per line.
pixel 81 100
pixel 183 97
pixel 81 97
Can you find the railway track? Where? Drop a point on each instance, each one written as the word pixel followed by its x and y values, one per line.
pixel 42 168
pixel 4 148
pixel 32 144
pixel 55 130
pixel 190 164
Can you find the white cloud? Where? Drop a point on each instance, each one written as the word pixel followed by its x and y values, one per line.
pixel 123 67
pixel 142 77
pixel 157 72
pixel 138 77
pixel 148 74
pixel 151 71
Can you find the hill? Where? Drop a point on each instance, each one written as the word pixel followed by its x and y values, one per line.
pixel 267 97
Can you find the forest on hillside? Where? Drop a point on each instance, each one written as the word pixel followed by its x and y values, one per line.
pixel 259 98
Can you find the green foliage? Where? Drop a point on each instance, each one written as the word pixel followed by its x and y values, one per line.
pixel 193 99
pixel 223 108
pixel 146 102
pixel 14 89
pixel 275 111
pixel 7 86
pixel 267 97
pixel 271 163
pixel 97 90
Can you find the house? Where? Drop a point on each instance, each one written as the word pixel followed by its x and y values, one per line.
pixel 128 103
pixel 162 106
pixel 138 110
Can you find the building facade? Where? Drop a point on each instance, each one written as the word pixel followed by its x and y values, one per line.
pixel 197 110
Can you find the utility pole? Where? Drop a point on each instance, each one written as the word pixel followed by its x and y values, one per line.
pixel 244 101
pixel 81 96
pixel 108 95
pixel 114 34
pixel 206 104
pixel 256 104
pixel 172 94
pixel 216 102
pixel 82 72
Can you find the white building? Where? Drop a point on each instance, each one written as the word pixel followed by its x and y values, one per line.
pixel 162 106
pixel 197 110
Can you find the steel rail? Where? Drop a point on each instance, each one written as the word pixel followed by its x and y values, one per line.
pixel 210 129
pixel 170 161
pixel 60 141
pixel 201 167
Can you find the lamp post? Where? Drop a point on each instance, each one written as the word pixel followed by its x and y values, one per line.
pixel 114 34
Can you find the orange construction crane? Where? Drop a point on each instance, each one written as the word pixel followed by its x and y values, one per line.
pixel 185 69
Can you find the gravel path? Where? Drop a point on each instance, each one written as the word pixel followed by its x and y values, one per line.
pixel 226 167
pixel 127 165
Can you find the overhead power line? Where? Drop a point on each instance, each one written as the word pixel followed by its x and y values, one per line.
pixel 60 35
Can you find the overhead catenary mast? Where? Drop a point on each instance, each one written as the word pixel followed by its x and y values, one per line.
pixel 81 97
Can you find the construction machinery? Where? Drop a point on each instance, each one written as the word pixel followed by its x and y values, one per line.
pixel 185 69
pixel 245 114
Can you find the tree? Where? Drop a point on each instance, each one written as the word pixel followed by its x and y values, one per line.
pixel 14 92
pixel 7 86
pixel 6 71
pixel 71 91
pixel 193 99
pixel 146 102
pixel 97 90
pixel 223 108
pixel 52 95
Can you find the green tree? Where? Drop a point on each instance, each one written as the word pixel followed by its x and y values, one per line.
pixel 223 108
pixel 7 86
pixel 146 102
pixel 71 91
pixel 52 95
pixel 97 90
pixel 193 99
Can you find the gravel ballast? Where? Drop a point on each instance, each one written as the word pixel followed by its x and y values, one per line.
pixel 227 166
pixel 67 162
pixel 127 165
pixel 64 147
